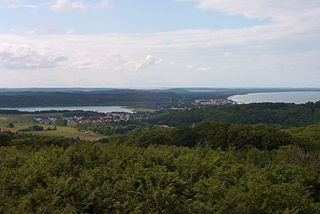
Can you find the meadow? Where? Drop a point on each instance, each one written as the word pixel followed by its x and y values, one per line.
pixel 23 121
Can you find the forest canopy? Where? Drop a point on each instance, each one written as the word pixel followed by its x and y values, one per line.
pixel 268 113
pixel 207 168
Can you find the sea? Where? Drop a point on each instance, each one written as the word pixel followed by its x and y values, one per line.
pixel 299 97
pixel 102 109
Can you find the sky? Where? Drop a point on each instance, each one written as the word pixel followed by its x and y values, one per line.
pixel 159 43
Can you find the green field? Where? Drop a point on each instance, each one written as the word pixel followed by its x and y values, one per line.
pixel 137 109
pixel 26 120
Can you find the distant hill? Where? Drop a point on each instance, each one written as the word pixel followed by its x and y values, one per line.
pixel 149 98
pixel 268 113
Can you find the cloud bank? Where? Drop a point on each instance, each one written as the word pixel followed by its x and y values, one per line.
pixel 66 5
pixel 14 56
pixel 57 5
pixel 283 52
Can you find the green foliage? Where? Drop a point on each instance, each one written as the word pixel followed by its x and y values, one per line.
pixel 51 128
pixel 142 98
pixel 32 142
pixel 207 168
pixel 5 138
pixel 267 113
pixel 32 128
pixel 122 97
pixel 309 136
pixel 100 178
pixel 111 128
pixel 61 122
pixel 215 135
pixel 11 125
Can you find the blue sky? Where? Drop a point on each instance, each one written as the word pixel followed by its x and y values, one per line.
pixel 123 16
pixel 159 43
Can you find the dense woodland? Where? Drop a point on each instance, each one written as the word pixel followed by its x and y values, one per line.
pixel 257 158
pixel 268 113
pixel 125 97
pixel 114 97
pixel 114 128
pixel 275 114
pixel 207 168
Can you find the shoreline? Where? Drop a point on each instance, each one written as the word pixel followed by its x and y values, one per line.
pixel 71 108
pixel 140 109
pixel 237 102
pixel 296 97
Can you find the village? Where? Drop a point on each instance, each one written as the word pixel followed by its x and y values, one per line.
pixel 213 102
pixel 120 116
pixel 77 119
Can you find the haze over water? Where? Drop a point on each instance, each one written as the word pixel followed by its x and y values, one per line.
pixel 279 97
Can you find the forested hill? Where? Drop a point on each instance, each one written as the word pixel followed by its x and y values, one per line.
pixel 216 136
pixel 81 98
pixel 267 113
pixel 126 97
pixel 138 98
pixel 208 168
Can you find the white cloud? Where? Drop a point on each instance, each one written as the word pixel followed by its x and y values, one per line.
pixel 203 69
pixel 227 54
pixel 148 61
pixel 282 52
pixel 58 5
pixel 49 28
pixel 71 31
pixel 67 5
pixel 103 5
pixel 275 9
pixel 5 3
pixel 15 4
pixel 14 56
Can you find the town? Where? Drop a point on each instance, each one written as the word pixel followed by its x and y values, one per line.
pixel 73 118
pixel 213 102
pixel 78 119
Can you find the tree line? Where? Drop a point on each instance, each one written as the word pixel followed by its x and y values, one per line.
pixel 268 113
pixel 207 168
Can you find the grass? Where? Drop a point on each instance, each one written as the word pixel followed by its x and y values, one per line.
pixel 26 120
pixel 23 118
pixel 71 132
pixel 137 109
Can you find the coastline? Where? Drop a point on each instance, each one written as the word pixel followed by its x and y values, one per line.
pixel 231 98
pixel 139 109
pixel 74 108
pixel 297 97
